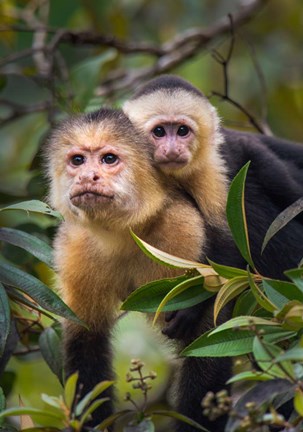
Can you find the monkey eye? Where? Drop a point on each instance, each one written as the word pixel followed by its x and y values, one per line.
pixel 109 158
pixel 183 130
pixel 77 160
pixel 159 131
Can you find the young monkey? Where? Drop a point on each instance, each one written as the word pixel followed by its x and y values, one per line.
pixel 103 182
pixel 189 145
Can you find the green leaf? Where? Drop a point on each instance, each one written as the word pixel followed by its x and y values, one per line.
pixel 70 389
pixel 177 416
pixel 177 290
pixel 298 401
pixel 148 297
pixel 5 319
pixel 227 272
pixel 231 342
pixel 250 376
pixel 93 394
pixel 283 219
pixel 37 290
pixel 164 258
pixel 296 275
pixel 229 291
pixel 260 296
pixel 111 419
pixel 265 354
pixel 280 292
pixel 224 344
pixel 243 321
pixel 55 402
pixel 2 405
pixel 35 206
pixel 93 406
pixel 51 350
pixel 85 76
pixel 19 411
pixel 294 354
pixel 235 211
pixel 30 243
pixel 245 304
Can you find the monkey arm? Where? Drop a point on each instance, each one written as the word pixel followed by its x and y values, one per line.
pixel 89 353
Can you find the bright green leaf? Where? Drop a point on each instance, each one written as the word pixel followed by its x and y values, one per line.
pixel 243 321
pixel 70 389
pixel 30 243
pixel 177 290
pixel 235 211
pixel 19 411
pixel 298 401
pixel 250 376
pixel 281 292
pixel 93 406
pixel 35 206
pixel 148 297
pixel 93 394
pixel 294 354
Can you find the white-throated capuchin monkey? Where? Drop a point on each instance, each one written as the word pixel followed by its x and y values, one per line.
pixel 189 145
pixel 103 182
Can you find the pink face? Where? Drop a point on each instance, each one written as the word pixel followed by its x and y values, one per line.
pixel 91 172
pixel 173 143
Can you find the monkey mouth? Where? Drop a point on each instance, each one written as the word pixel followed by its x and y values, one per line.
pixel 169 164
pixel 90 198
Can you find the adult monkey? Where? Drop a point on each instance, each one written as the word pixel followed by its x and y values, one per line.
pixel 103 182
pixel 189 145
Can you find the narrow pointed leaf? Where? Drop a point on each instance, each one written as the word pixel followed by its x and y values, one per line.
pixel 29 411
pixel 296 275
pixel 35 206
pixel 265 354
pixel 148 297
pixel 236 217
pixel 111 419
pixel 4 318
pixel 283 219
pixel 224 344
pixel 94 405
pixel 37 290
pixel 51 349
pixel 229 291
pixel 260 296
pixel 227 272
pixel 294 354
pixel 164 258
pixel 30 243
pixel 180 417
pixel 250 376
pixel 93 394
pixel 245 304
pixel 70 389
pixel 298 401
pixel 243 321
pixel 177 290
pixel 281 292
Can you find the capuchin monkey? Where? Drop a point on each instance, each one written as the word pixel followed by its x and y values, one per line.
pixel 189 146
pixel 104 183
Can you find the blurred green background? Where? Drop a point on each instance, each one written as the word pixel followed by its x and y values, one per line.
pixel 265 77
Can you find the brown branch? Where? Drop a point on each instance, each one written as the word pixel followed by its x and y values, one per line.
pixel 18 110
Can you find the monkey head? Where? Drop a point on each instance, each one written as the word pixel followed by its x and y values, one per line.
pixel 99 169
pixel 178 120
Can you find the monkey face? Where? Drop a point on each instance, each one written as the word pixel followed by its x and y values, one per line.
pixel 173 139
pixel 100 170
